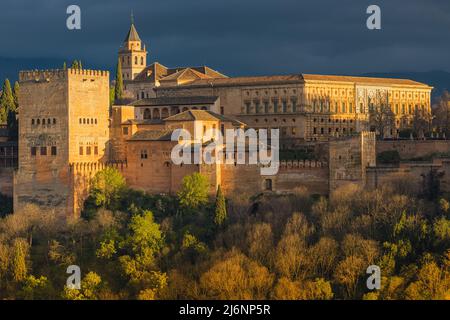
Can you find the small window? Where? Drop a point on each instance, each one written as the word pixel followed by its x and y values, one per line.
pixel 53 151
pixel 268 184
pixel 125 131
pixel 95 150
pixel 81 120
pixel 54 120
pixel 88 151
pixel 43 121
pixel 43 151
pixel 38 121
pixel 33 151
pixel 95 120
pixel 81 150
pixel 32 122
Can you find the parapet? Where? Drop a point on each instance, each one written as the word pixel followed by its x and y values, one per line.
pixel 58 74
pixel 303 164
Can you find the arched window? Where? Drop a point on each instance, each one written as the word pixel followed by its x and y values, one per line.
pixel 164 113
pixel 147 114
pixel 156 113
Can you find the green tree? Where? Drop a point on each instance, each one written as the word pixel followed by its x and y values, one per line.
pixel 64 66
pixel 16 91
pixel 12 122
pixel 107 187
pixel 194 191
pixel 220 213
pixel 118 90
pixel 6 101
pixel 75 65
pixel 112 94
pixel 19 263
pixel 91 286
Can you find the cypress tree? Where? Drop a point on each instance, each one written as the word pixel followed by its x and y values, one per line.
pixel 80 66
pixel 6 101
pixel 75 65
pixel 16 95
pixel 65 66
pixel 221 210
pixel 118 91
pixel 12 114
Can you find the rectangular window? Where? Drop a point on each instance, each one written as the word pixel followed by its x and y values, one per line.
pixel 344 107
pixel 247 107
pixel 88 151
pixel 33 151
pixel 144 154
pixel 294 104
pixel 53 151
pixel 275 106
pixel 43 151
pixel 284 106
pixel 95 150
pixel 350 107
pixel 125 131
pixel 266 107
pixel 256 107
pixel 81 151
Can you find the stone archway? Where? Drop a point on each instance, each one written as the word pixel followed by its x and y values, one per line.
pixel 147 114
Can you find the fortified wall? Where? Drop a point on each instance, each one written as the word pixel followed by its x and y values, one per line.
pixel 410 149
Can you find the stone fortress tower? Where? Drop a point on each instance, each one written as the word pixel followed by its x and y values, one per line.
pixel 64 119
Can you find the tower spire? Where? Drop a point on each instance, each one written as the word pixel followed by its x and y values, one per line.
pixel 132 17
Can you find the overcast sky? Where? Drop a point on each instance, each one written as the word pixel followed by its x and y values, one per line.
pixel 238 37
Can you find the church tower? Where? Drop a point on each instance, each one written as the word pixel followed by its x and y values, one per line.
pixel 132 54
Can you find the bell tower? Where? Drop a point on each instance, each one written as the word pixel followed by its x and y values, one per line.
pixel 132 54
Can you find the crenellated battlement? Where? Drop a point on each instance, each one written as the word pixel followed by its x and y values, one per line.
pixel 59 74
pixel 42 75
pixel 303 164
pixel 93 167
pixel 88 72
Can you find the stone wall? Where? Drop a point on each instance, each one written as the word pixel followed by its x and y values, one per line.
pixel 6 181
pixel 409 149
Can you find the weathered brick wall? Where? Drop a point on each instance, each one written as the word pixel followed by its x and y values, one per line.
pixel 408 173
pixel 409 149
pixel 6 181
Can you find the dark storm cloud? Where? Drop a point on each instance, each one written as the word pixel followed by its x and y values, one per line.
pixel 238 36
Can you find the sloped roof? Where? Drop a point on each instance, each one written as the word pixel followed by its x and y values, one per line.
pixel 319 77
pixel 201 115
pixel 152 135
pixel 243 81
pixel 143 121
pixel 132 34
pixel 153 72
pixel 173 101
